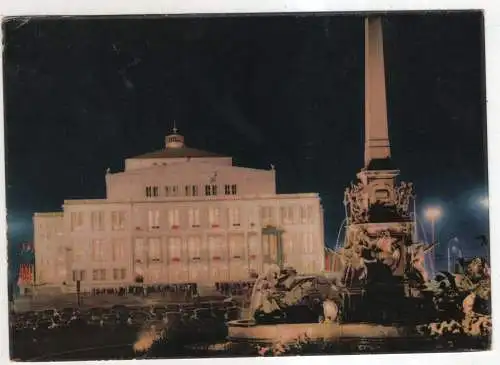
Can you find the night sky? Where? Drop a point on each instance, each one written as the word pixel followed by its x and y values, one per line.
pixel 83 94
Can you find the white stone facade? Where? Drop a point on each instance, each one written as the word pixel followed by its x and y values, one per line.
pixel 176 216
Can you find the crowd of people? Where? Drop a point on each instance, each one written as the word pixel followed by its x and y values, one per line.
pixel 237 288
pixel 189 290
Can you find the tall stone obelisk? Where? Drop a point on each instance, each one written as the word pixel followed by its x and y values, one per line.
pixel 378 209
pixel 377 146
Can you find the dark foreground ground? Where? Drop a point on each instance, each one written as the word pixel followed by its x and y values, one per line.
pixel 106 343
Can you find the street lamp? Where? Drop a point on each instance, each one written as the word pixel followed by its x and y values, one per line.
pixel 453 249
pixel 433 214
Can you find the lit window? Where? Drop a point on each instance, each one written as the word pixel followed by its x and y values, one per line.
pixel 194 247
pixel 234 217
pixel 98 250
pixel 154 219
pixel 194 217
pixel 118 250
pixel 139 250
pixel 174 247
pixel 237 246
pixel 154 250
pixel 214 217
pixel 174 218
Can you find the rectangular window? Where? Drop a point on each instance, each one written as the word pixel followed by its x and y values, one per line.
pixel 234 217
pixel 194 217
pixel 194 189
pixel 97 220
pixel 154 250
pixel 234 190
pixel 75 275
pixel 118 221
pixel 308 242
pixel 310 215
pixel 216 248
pixel 118 250
pixel 227 189
pixel 210 190
pixel 194 247
pixel 102 274
pixel 95 275
pixel 116 274
pixel 76 221
pixel 167 190
pixel 98 250
pixel 83 275
pixel 266 216
pixel 174 218
pixel 214 217
pixel 154 219
pixel 175 190
pixel 187 190
pixel 303 214
pixel 174 247
pixel 139 250
pixel 237 246
pixel 155 190
pixel 149 191
pixel 286 215
pixel 123 273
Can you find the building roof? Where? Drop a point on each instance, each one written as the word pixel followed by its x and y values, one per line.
pixel 178 153
pixel 175 148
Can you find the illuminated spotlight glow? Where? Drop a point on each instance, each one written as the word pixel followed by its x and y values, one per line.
pixel 485 202
pixel 433 213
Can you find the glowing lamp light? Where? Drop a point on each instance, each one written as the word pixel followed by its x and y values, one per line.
pixel 484 202
pixel 433 213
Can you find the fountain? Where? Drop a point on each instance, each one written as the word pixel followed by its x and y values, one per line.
pixel 381 265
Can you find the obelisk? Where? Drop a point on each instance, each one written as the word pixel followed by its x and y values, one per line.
pixel 377 147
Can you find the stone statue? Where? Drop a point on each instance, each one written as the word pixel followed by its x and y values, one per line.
pixel 276 292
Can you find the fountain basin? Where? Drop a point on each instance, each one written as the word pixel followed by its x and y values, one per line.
pixel 246 330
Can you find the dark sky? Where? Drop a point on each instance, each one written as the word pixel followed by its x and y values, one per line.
pixel 83 94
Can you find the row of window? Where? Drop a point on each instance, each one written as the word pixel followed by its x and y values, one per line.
pixel 100 274
pixel 194 248
pixel 267 217
pixel 97 221
pixel 189 190
pixel 288 215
